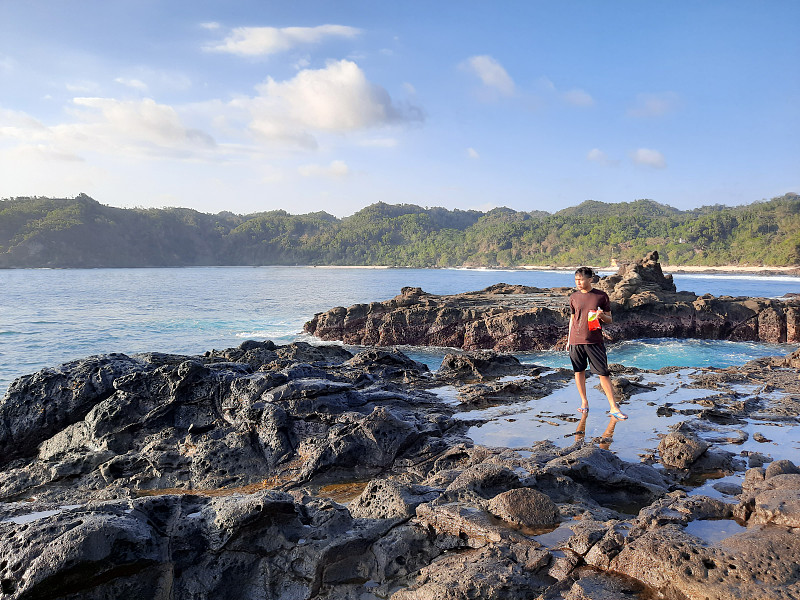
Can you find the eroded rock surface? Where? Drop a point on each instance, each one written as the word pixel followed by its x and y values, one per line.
pixel 176 477
pixel 645 304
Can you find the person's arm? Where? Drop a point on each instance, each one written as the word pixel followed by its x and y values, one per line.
pixel 604 314
pixel 604 317
pixel 569 331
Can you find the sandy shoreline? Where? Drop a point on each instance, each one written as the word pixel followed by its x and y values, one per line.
pixel 729 269
pixel 734 269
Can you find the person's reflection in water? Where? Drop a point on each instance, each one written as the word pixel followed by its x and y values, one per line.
pixel 608 435
pixel 580 430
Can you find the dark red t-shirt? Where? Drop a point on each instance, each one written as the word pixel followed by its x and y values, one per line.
pixel 580 303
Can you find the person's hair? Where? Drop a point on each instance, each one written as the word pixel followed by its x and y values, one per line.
pixel 584 272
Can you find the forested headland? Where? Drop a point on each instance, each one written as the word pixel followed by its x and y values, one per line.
pixel 81 232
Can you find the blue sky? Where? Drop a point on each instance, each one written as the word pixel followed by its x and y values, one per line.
pixel 334 105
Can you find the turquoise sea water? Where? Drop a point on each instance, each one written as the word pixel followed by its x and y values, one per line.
pixel 52 316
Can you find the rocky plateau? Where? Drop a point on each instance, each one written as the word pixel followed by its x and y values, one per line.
pixel 299 471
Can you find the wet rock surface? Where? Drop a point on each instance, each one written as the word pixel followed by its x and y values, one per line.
pixel 299 471
pixel 502 317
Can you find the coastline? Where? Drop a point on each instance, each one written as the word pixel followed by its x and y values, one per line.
pixel 739 269
pixel 793 271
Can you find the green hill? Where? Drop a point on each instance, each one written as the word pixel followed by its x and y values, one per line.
pixel 81 232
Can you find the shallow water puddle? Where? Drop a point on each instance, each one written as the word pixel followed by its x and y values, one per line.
pixel 447 394
pixel 555 418
pixel 714 532
pixel 557 537
pixel 35 516
pixel 651 415
pixel 343 493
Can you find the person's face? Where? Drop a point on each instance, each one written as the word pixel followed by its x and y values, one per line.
pixel 583 283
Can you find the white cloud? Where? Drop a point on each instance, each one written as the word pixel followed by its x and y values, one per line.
pixel 302 63
pixel 43 153
pixel 648 157
pixel 140 127
pixel 82 87
pixel 379 143
pixel 6 63
pixel 654 105
pixel 598 156
pixel 260 41
pixel 575 97
pixel 338 98
pixel 578 97
pixel 136 84
pixel 472 153
pixel 336 169
pixel 18 125
pixel 211 25
pixel 491 73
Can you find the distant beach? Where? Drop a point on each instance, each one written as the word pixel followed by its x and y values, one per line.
pixel 737 269
pixel 742 269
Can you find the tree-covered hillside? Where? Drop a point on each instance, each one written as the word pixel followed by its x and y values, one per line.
pixel 80 232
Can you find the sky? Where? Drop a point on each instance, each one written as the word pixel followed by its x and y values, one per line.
pixel 310 105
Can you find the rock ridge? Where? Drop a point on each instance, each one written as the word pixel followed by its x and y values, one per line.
pixel 645 304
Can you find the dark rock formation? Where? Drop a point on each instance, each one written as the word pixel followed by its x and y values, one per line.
pixel 645 304
pixel 177 477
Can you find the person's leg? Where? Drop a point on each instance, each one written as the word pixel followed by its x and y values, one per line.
pixel 579 360
pixel 599 361
pixel 605 382
pixel 580 383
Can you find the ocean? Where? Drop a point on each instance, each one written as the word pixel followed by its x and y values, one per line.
pixel 48 317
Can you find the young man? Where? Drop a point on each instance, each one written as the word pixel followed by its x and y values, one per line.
pixel 585 344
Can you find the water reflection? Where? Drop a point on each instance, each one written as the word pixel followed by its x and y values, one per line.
pixel 605 439
pixel 608 435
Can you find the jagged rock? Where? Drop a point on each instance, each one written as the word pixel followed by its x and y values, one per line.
pixel 387 365
pixel 251 437
pixel 780 467
pixel 486 480
pixel 607 547
pixel 778 507
pixel 191 546
pixel 387 499
pixel 513 573
pixel 688 568
pixel 593 585
pixel 117 423
pixel 37 406
pixel 479 365
pixel 608 480
pixel 483 394
pixel 680 450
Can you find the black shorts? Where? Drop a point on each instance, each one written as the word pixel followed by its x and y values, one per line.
pixel 593 354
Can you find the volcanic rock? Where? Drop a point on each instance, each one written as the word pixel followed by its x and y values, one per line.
pixel 644 302
pixel 219 476
pixel 680 450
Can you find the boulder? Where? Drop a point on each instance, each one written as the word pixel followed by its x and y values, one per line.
pixel 680 450
pixel 387 499
pixel 525 507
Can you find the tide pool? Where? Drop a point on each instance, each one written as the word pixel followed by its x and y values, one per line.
pixel 48 317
